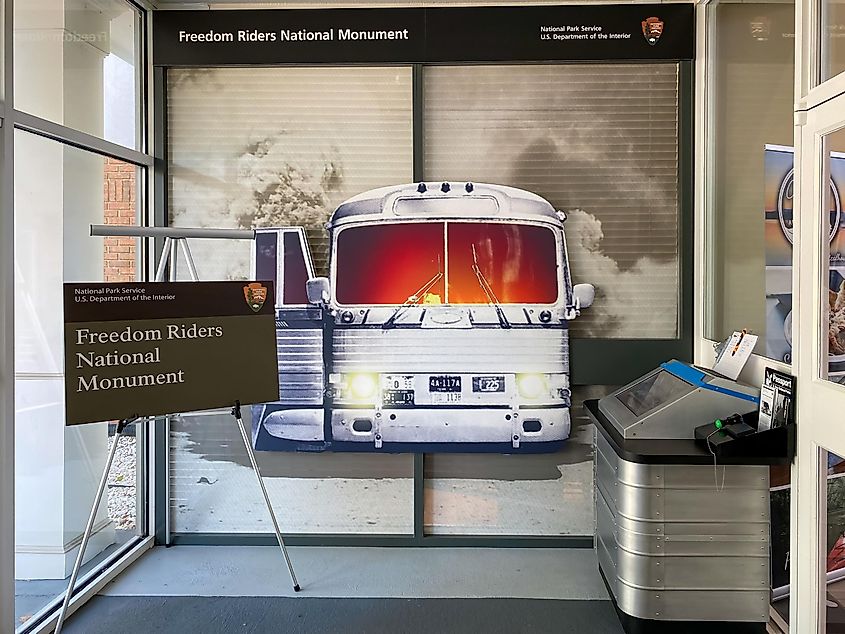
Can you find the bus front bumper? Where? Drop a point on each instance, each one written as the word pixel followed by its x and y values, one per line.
pixel 450 425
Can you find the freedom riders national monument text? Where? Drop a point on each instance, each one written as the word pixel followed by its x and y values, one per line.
pixel 152 348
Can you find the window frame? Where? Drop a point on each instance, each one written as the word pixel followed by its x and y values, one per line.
pixel 89 584
pixel 706 108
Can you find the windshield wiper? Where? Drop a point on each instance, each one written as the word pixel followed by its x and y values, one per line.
pixel 488 291
pixel 415 298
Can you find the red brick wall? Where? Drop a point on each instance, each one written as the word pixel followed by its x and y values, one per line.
pixel 119 209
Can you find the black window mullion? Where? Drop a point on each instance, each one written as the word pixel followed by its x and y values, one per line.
pixel 417 110
pixel 417 123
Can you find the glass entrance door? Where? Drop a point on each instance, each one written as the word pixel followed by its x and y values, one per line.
pixel 819 329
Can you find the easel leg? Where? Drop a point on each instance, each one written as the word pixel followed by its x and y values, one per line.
pixel 236 412
pixel 86 536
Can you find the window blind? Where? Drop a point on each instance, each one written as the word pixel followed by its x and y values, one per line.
pixel 600 142
pixel 259 147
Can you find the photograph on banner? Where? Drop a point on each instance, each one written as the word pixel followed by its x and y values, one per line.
pixel 834 539
pixel 779 184
pixel 446 311
pixel 281 169
pixel 152 348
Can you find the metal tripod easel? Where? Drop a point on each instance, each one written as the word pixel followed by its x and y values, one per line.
pixel 174 240
pixel 236 412
pixel 89 527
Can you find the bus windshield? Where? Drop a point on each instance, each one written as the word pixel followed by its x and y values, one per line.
pixel 452 262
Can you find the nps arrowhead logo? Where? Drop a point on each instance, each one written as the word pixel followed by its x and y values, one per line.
pixel 255 294
pixel 652 30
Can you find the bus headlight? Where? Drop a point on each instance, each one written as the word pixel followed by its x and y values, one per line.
pixel 531 385
pixel 363 386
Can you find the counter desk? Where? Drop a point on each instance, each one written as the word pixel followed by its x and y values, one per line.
pixel 682 545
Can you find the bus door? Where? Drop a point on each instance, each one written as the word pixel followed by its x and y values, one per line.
pixel 296 420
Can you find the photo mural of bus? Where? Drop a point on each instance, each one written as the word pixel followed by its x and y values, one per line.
pixel 443 324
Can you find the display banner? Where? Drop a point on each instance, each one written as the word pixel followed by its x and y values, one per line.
pixel 779 184
pixel 409 35
pixel 151 348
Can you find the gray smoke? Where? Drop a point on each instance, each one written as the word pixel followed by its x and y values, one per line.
pixel 282 181
pixel 620 293
pixel 278 180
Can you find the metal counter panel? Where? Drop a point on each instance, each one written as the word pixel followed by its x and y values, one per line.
pixel 672 546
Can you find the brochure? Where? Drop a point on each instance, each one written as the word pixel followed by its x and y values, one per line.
pixel 777 400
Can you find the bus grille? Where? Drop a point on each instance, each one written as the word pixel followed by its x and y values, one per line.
pixel 300 354
pixel 409 350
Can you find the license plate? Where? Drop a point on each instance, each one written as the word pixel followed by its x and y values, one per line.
pixel 445 398
pixel 398 382
pixel 488 383
pixel 398 397
pixel 444 384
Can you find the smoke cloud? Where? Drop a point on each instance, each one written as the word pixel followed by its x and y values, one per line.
pixel 279 181
pixel 620 293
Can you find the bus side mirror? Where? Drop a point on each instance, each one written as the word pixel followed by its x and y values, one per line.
pixel 318 291
pixel 584 295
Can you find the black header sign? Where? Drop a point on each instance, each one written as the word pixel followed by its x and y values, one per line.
pixel 434 34
pixel 163 347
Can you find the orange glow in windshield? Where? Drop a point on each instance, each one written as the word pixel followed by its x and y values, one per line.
pixel 518 262
pixel 390 263
pixel 387 264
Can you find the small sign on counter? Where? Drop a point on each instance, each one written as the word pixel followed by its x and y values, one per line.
pixel 735 353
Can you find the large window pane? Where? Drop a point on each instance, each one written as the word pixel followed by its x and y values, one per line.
pixel 77 63
pixel 749 274
pixel 833 543
pixel 832 335
pixel 213 487
pixel 270 147
pixel 600 142
pixel 832 507
pixel 531 495
pixel 832 34
pixel 59 191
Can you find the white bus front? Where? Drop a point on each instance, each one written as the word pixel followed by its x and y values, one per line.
pixel 446 326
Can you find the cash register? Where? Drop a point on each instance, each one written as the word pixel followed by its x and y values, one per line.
pixel 682 536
